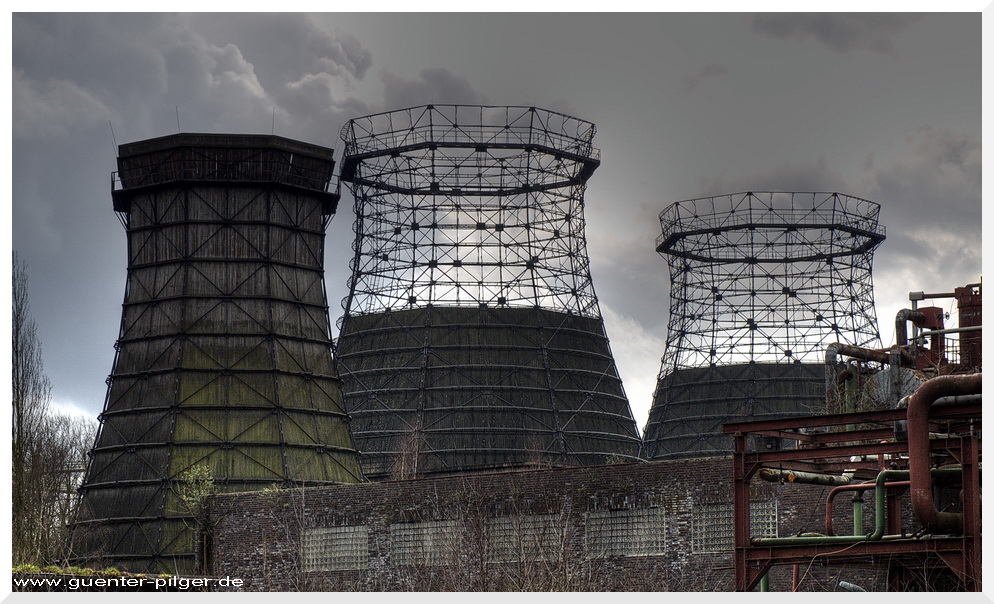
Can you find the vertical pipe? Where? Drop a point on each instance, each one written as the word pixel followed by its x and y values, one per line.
pixel 764 583
pixel 796 578
pixel 857 514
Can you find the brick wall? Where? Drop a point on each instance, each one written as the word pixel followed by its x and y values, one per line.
pixel 258 536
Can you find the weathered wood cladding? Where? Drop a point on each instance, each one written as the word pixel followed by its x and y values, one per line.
pixel 483 388
pixel 224 356
pixel 229 159
pixel 691 405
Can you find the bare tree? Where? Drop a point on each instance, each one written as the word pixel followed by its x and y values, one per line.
pixel 48 450
pixel 31 393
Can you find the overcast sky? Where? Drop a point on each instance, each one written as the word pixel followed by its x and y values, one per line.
pixel 881 106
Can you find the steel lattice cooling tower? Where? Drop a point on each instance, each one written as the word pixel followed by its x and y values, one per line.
pixel 472 338
pixel 760 284
pixel 224 359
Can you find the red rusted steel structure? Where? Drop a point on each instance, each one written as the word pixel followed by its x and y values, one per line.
pixel 895 453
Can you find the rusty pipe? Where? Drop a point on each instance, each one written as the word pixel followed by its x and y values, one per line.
pixel 865 486
pixel 832 352
pixel 782 476
pixel 919 405
pixel 901 323
pixel 867 354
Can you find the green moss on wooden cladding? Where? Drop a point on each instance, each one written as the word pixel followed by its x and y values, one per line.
pixel 224 352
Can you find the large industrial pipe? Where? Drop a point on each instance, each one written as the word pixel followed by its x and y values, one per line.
pixel 782 476
pixel 832 352
pixel 901 324
pixel 919 466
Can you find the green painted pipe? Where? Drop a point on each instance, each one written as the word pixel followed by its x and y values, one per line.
pixel 764 583
pixel 857 515
pixel 880 516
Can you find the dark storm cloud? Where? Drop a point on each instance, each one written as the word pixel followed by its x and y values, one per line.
pixel 840 32
pixel 436 85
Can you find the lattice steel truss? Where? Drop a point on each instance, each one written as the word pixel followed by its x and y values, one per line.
pixel 463 206
pixel 757 281
pixel 471 269
pixel 224 356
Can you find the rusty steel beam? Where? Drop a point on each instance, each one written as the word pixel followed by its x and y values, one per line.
pixel 839 419
pixel 741 473
pixel 843 452
pixel 847 552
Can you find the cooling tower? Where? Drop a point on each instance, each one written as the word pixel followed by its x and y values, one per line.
pixel 760 284
pixel 224 361
pixel 472 338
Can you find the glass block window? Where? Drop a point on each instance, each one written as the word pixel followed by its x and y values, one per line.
pixel 428 543
pixel 625 533
pixel 713 525
pixel 523 538
pixel 335 548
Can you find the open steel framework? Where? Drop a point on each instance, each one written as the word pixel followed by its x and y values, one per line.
pixel 224 357
pixel 760 284
pixel 472 337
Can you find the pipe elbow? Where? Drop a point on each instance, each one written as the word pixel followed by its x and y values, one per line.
pixel 901 323
pixel 919 405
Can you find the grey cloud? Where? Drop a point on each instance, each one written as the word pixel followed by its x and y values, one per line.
pixel 563 106
pixel 839 31
pixel 50 109
pixel 816 176
pixel 938 181
pixel 624 260
pixel 306 82
pixel 221 71
pixel 432 86
pixel 310 108
pixel 263 39
pixel 116 56
pixel 214 83
pixel 931 201
pixel 711 70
